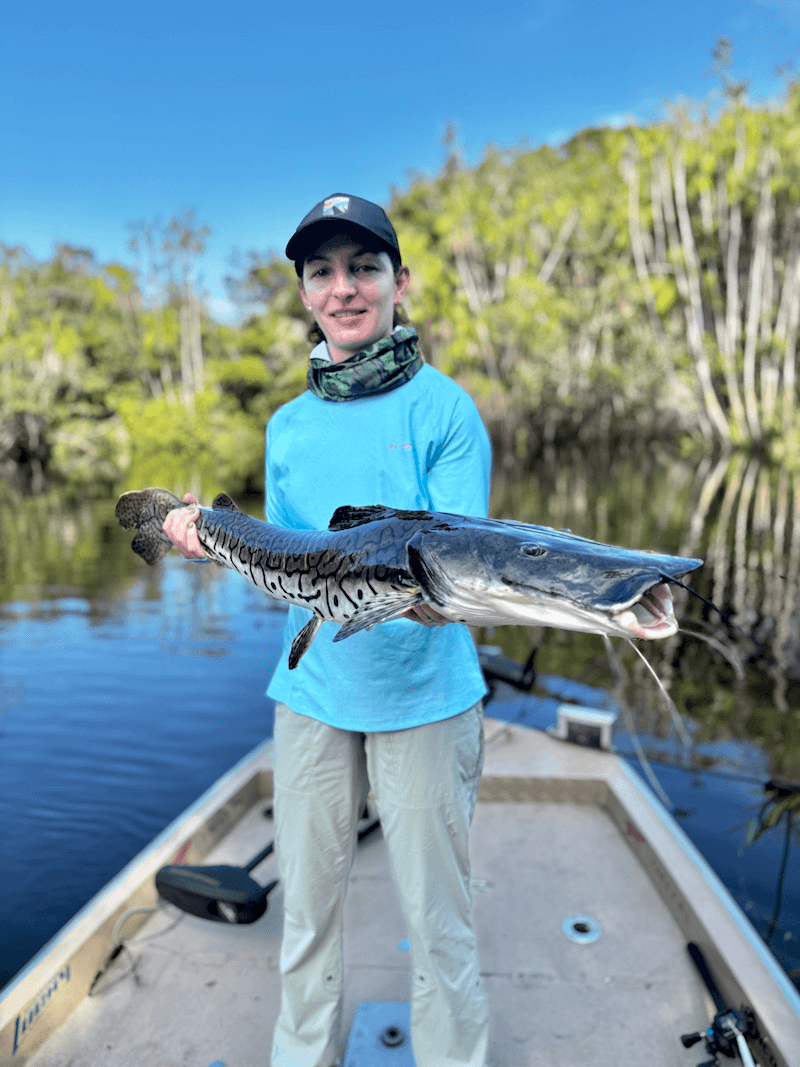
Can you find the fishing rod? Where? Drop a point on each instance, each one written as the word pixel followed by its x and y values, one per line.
pixel 224 893
pixel 729 1030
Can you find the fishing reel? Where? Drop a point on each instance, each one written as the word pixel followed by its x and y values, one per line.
pixel 729 1028
pixel 726 1036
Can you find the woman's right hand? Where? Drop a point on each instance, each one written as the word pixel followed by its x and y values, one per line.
pixel 180 529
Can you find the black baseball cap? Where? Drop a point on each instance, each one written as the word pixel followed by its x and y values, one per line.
pixel 342 208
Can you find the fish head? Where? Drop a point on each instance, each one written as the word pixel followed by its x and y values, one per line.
pixel 488 572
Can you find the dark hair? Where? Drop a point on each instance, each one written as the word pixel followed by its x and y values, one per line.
pixel 370 243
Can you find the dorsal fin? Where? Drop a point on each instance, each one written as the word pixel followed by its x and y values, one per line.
pixel 346 516
pixel 222 502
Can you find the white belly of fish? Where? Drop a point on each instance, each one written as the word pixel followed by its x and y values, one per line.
pixel 476 605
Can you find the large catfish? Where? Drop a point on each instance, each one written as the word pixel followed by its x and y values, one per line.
pixel 374 563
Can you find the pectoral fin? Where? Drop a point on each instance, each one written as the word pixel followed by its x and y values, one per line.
pixel 302 642
pixel 388 607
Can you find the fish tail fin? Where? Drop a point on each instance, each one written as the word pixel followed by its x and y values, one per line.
pixel 145 510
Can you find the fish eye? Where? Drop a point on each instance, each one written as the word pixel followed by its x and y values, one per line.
pixel 533 550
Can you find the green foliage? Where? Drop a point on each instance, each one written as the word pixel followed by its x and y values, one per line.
pixel 174 446
pixel 639 284
pixel 98 386
pixel 642 280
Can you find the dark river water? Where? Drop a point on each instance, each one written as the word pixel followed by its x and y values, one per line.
pixel 126 691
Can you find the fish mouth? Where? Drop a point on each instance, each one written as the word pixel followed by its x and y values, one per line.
pixel 651 616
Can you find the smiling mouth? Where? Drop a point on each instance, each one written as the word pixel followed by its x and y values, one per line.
pixel 348 314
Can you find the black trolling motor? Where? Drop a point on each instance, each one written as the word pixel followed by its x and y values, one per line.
pixel 727 1035
pixel 223 893
pixel 499 668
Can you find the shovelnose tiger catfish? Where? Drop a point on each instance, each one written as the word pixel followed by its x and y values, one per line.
pixel 374 563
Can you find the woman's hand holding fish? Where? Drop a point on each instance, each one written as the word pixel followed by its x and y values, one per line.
pixel 180 529
pixel 425 614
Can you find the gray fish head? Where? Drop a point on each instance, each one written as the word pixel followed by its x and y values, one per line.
pixel 486 572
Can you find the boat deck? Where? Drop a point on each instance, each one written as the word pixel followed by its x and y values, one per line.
pixel 553 837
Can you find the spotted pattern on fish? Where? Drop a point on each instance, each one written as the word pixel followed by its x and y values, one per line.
pixel 338 586
pixel 374 563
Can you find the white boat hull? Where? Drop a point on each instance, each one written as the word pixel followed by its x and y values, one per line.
pixel 560 830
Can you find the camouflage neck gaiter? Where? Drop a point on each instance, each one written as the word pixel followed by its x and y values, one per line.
pixel 384 366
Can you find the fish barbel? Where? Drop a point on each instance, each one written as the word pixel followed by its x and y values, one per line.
pixel 374 563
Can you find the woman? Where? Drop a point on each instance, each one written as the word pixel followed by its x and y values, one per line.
pixel 400 705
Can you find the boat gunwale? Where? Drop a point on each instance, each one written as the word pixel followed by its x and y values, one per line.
pixel 82 946
pixel 529 768
pixel 745 969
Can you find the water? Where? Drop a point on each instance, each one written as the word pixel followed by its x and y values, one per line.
pixel 118 711
pixel 126 691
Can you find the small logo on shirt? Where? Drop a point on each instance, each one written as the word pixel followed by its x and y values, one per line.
pixel 336 205
pixel 399 446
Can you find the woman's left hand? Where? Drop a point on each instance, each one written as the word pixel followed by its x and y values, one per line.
pixel 180 528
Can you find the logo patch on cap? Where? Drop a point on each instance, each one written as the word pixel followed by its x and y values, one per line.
pixel 336 205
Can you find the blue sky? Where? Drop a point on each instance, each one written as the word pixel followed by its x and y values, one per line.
pixel 251 112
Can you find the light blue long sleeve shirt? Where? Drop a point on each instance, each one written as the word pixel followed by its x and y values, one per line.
pixel 420 447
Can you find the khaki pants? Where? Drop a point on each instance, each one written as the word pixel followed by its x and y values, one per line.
pixel 425 783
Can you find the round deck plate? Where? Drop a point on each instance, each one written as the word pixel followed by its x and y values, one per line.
pixel 582 929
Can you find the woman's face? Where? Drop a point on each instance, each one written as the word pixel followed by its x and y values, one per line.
pixel 351 292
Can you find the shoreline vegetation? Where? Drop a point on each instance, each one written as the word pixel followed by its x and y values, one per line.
pixel 633 287
pixel 624 309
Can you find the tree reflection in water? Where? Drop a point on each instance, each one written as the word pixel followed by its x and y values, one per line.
pixel 737 679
